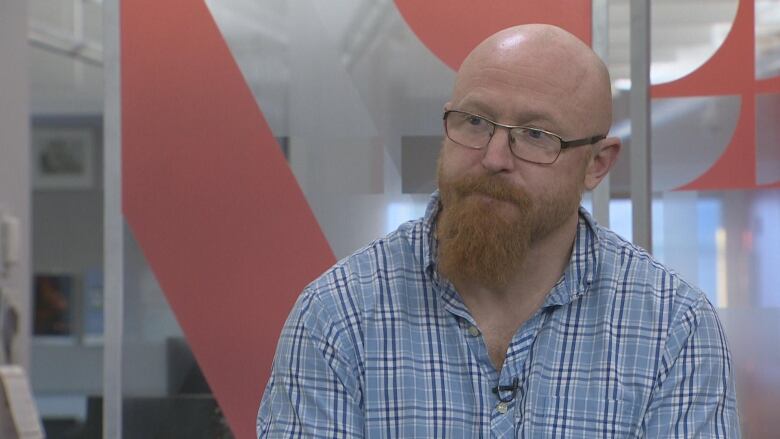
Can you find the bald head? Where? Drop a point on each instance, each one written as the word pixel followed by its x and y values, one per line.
pixel 550 63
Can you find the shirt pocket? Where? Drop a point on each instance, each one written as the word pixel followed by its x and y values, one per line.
pixel 578 416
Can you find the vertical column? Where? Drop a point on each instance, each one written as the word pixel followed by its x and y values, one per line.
pixel 600 31
pixel 114 230
pixel 641 188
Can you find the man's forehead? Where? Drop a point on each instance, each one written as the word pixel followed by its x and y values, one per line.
pixel 514 61
pixel 543 63
pixel 514 94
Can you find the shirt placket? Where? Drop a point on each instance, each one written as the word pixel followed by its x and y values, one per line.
pixel 508 413
pixel 506 406
pixel 483 375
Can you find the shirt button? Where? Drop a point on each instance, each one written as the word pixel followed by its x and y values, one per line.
pixel 502 407
pixel 473 331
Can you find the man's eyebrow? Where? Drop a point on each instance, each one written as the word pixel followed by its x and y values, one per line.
pixel 535 117
pixel 520 119
pixel 476 107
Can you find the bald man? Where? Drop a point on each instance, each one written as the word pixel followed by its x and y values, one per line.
pixel 506 311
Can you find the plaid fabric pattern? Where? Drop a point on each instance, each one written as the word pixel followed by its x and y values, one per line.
pixel 379 346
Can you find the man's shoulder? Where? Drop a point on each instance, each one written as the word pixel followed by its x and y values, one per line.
pixel 637 276
pixel 359 277
pixel 644 297
pixel 654 291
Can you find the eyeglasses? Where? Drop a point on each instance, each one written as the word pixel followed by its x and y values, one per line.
pixel 526 143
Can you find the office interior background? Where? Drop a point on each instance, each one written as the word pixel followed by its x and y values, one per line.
pixel 348 95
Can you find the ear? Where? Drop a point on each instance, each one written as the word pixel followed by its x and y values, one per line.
pixel 605 154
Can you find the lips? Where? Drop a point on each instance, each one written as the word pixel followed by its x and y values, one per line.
pixel 502 194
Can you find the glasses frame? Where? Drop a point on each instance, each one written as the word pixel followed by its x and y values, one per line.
pixel 565 144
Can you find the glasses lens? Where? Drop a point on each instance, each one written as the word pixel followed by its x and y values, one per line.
pixel 528 144
pixel 468 129
pixel 535 145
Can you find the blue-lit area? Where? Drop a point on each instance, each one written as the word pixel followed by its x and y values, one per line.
pixel 401 212
pixel 709 219
pixel 765 240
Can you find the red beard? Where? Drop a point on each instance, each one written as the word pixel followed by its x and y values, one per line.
pixel 486 242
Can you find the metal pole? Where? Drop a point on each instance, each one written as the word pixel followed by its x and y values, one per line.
pixel 114 230
pixel 641 188
pixel 600 44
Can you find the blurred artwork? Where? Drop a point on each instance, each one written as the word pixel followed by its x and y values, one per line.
pixel 53 302
pixel 63 157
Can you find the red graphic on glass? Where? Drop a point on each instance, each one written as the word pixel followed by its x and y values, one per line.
pixel 450 29
pixel 210 199
pixel 730 71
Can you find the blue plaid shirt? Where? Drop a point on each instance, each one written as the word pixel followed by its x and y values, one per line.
pixel 380 346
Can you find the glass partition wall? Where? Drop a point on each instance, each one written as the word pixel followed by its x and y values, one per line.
pixel 354 98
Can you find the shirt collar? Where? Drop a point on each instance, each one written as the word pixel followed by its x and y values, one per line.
pixel 429 242
pixel 583 264
pixel 576 280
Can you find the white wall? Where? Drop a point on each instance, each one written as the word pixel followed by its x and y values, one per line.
pixel 15 159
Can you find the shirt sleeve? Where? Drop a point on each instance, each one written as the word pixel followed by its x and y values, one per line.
pixel 314 389
pixel 694 396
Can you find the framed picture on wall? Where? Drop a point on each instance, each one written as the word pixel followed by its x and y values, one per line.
pixel 63 157
pixel 54 296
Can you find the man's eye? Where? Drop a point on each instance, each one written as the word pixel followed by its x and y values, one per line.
pixel 534 134
pixel 474 120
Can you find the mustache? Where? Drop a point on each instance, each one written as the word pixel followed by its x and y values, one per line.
pixel 491 186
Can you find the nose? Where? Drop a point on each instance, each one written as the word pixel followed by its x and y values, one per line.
pixel 498 157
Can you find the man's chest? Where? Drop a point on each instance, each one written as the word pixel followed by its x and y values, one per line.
pixel 431 376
